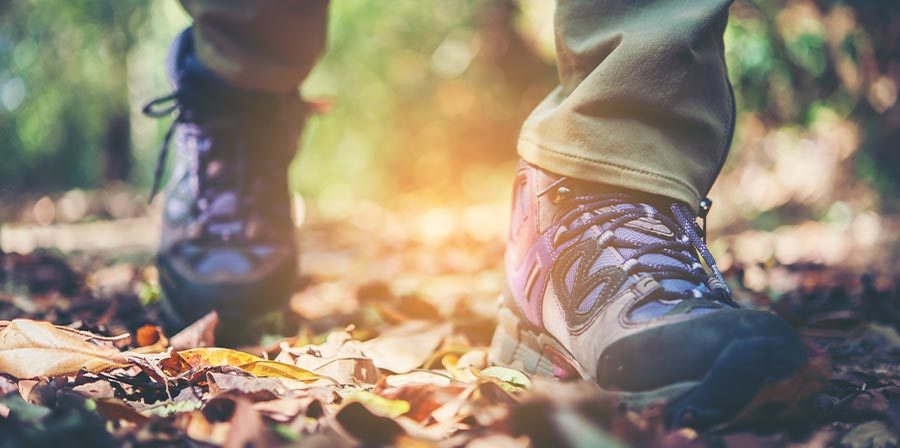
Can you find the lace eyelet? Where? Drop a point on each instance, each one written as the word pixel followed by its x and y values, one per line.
pixel 561 194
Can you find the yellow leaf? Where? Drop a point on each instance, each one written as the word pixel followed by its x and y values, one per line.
pixel 214 356
pixel 30 349
pixel 378 404
pixel 274 369
pixel 451 364
pixel 507 376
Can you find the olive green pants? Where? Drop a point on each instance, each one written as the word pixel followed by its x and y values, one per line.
pixel 643 101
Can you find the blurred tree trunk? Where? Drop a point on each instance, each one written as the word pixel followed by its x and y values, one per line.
pixel 117 140
pixel 117 147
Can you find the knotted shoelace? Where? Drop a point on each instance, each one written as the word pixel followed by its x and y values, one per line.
pixel 615 210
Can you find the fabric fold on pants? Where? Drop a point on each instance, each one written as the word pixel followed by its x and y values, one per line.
pixel 643 101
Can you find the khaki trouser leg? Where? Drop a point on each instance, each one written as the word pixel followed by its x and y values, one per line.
pixel 643 102
pixel 266 45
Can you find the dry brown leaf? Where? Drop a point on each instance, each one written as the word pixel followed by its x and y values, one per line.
pixel 283 409
pixel 200 428
pixel 423 377
pixel 357 422
pixel 150 339
pixel 116 410
pixel 338 344
pixel 245 423
pixel 30 349
pixel 201 333
pixel 349 371
pixel 424 398
pixel 95 389
pixel 407 346
pixel 149 335
pixel 7 386
pixel 256 389
pixel 450 410
pixel 25 388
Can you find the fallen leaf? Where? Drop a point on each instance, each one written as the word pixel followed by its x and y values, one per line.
pixel 448 411
pixel 873 434
pixel 450 362
pixel 384 406
pixel 30 349
pixel 246 425
pixel 95 389
pixel 273 369
pixel 215 356
pixel 149 335
pixel 406 308
pixel 405 347
pixel 201 333
pixel 477 358
pixel 201 429
pixel 25 388
pixel 256 389
pixel 7 386
pixel 114 409
pixel 511 380
pixel 418 377
pixel 150 339
pixel 423 398
pixel 282 409
pixel 366 427
pixel 350 371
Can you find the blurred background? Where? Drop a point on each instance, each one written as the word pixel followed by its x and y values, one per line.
pixel 428 97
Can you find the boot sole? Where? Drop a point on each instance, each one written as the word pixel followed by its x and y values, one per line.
pixel 517 345
pixel 233 330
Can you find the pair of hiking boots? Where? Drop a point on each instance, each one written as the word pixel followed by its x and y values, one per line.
pixel 614 286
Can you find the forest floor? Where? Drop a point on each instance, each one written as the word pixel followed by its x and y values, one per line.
pixel 389 329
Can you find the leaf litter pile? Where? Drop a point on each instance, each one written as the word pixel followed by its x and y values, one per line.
pixel 389 348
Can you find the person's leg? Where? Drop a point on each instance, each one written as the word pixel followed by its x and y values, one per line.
pixel 268 45
pixel 228 237
pixel 608 275
pixel 644 101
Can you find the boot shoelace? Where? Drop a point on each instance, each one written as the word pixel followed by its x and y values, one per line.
pixel 208 216
pixel 615 210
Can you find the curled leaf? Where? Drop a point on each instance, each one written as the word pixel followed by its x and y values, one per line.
pixel 30 349
pixel 150 339
pixel 201 333
pixel 451 364
pixel 510 379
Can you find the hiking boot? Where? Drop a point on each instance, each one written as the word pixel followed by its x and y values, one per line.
pixel 611 286
pixel 228 241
